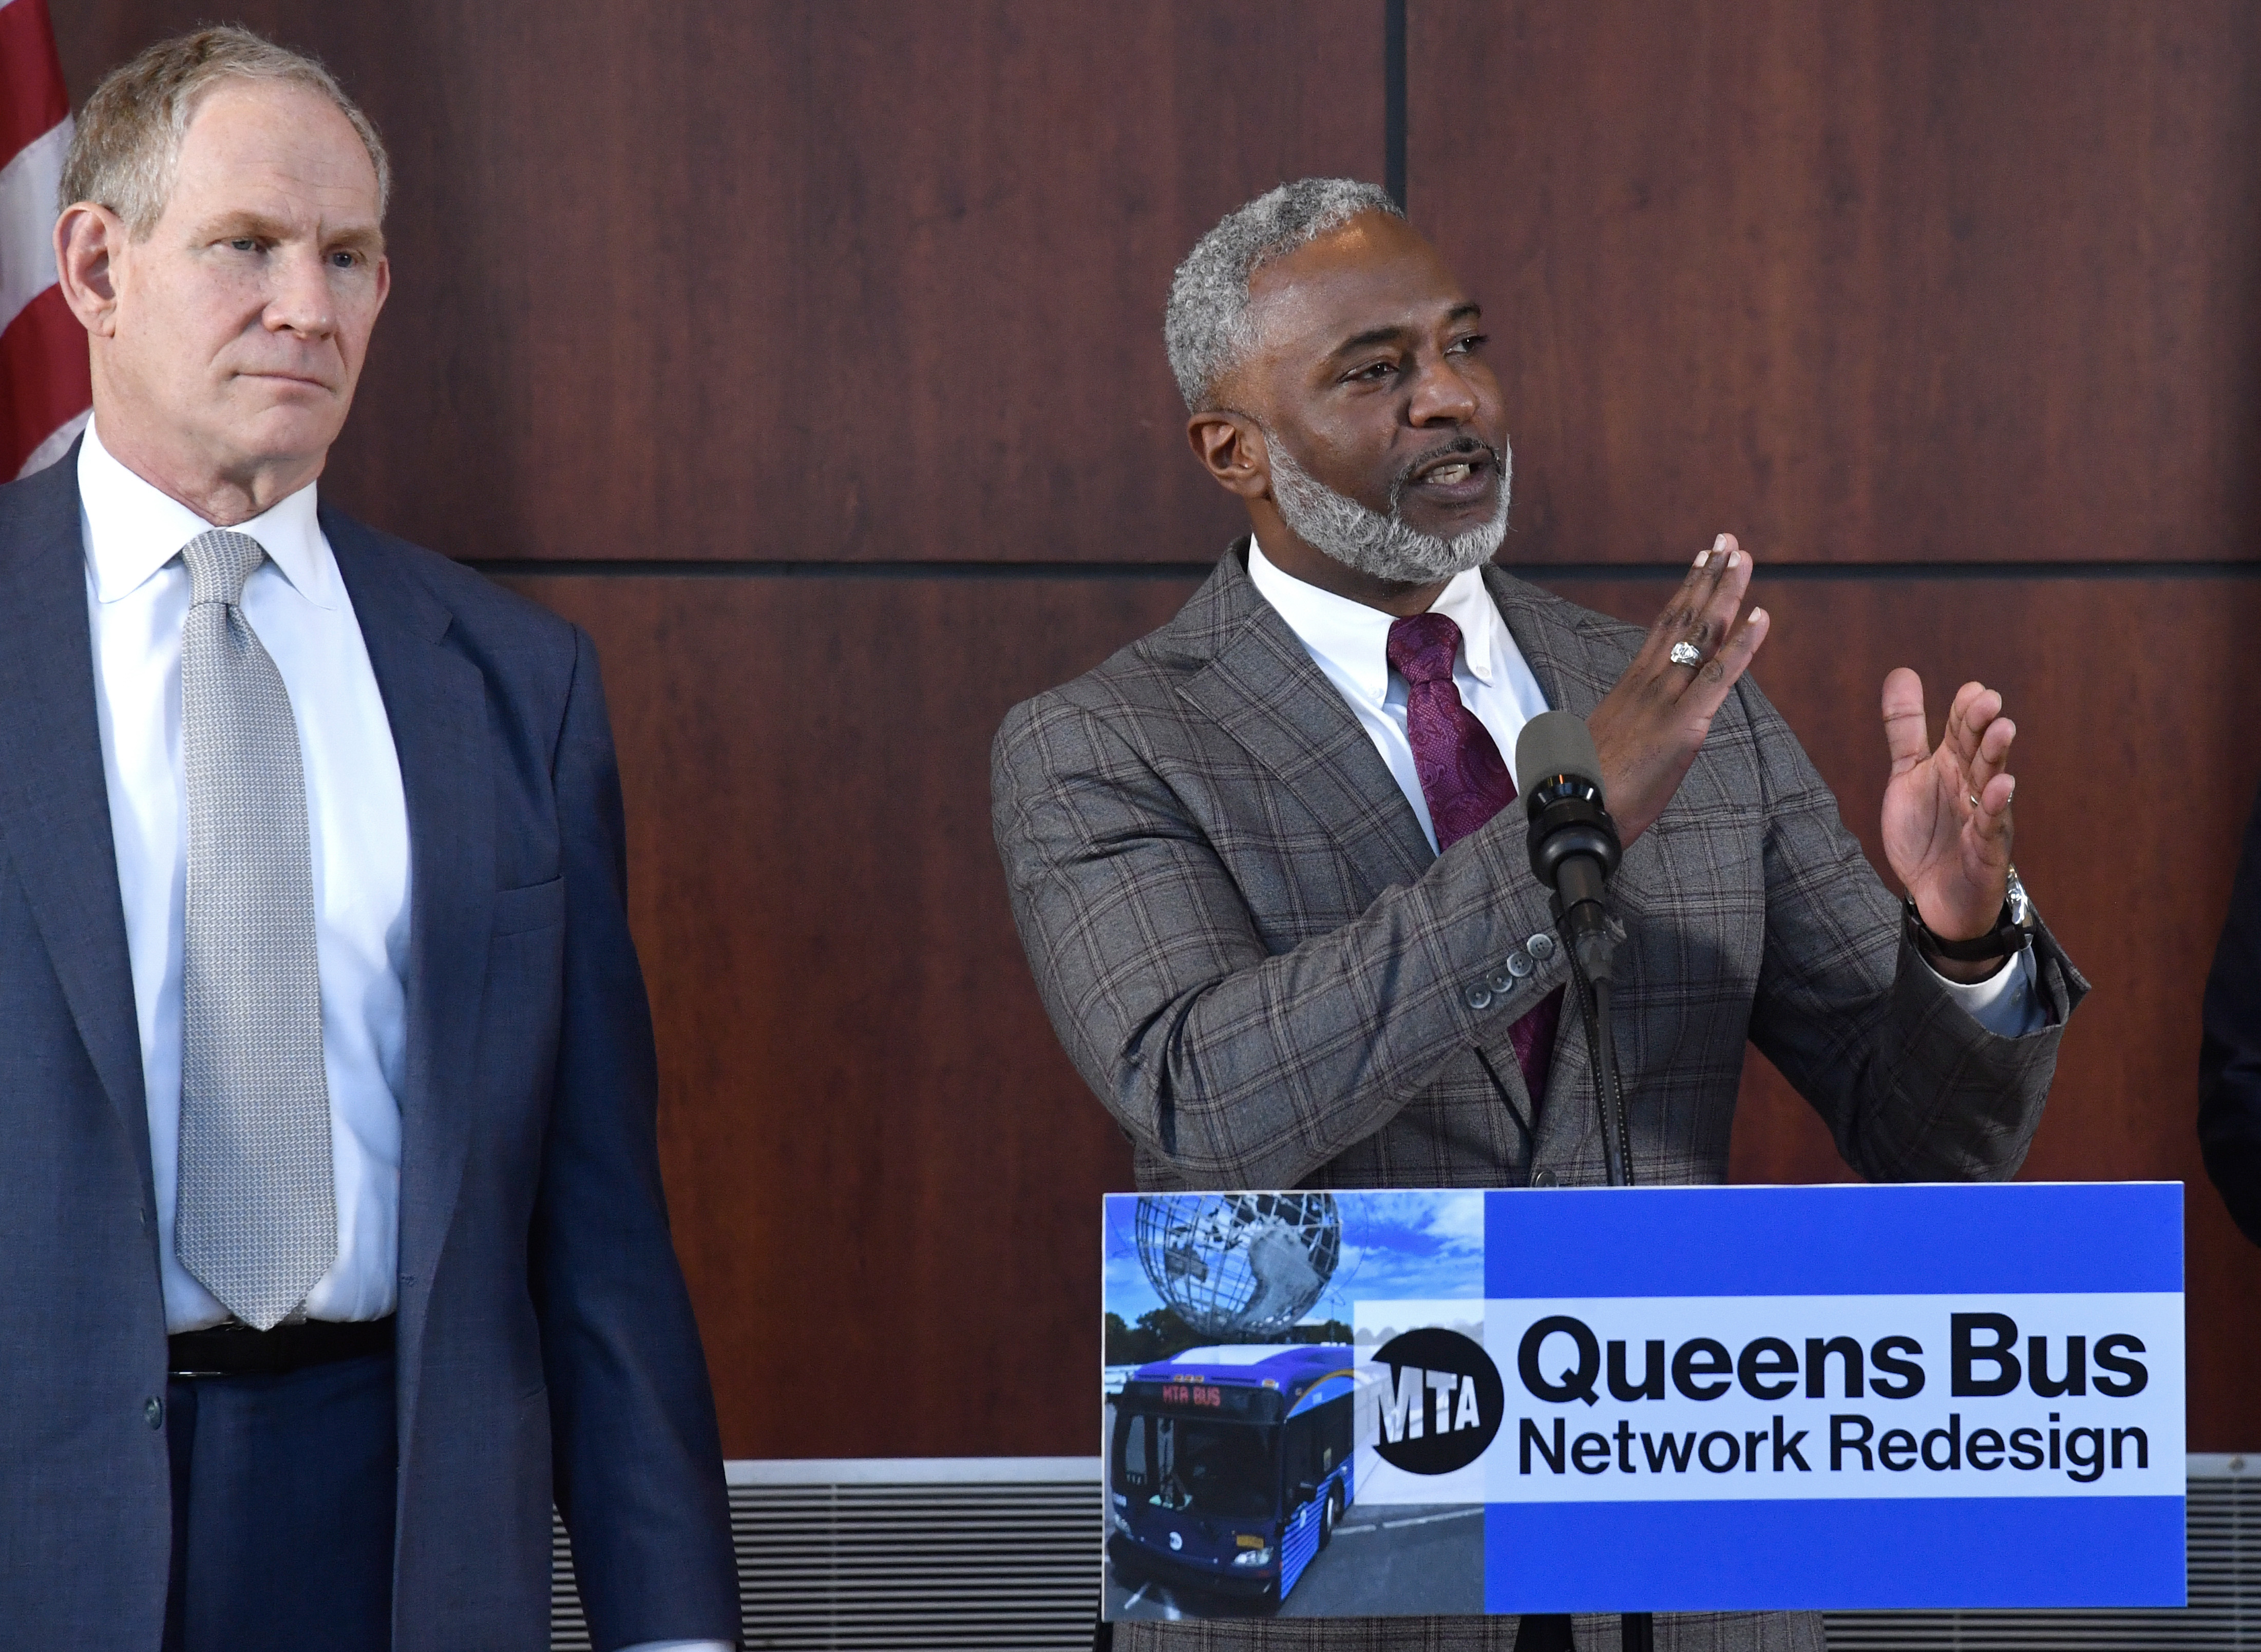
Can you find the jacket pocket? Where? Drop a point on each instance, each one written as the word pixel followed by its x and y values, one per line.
pixel 534 906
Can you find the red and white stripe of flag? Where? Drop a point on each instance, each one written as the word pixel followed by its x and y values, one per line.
pixel 44 389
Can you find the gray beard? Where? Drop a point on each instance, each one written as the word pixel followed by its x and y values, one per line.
pixel 1383 547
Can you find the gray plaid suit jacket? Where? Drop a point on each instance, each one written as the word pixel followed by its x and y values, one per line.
pixel 1257 963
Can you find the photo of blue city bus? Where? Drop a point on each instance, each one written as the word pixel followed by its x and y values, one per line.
pixel 1229 1467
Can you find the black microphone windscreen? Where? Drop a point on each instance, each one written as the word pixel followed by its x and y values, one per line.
pixel 1556 743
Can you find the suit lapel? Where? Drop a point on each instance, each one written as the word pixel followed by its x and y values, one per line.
pixel 1260 686
pixel 1547 631
pixel 55 802
pixel 435 701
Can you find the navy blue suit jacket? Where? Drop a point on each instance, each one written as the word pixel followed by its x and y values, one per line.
pixel 547 1348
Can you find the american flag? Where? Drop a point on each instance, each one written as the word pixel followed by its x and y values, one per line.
pixel 44 390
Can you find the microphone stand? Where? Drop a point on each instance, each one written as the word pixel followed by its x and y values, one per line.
pixel 1573 848
pixel 1593 992
pixel 1637 1630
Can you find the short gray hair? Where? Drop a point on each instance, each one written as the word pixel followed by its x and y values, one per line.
pixel 127 143
pixel 1207 326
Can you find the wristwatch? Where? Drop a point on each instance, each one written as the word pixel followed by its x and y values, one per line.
pixel 2012 934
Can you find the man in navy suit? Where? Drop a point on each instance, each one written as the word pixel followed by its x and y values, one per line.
pixel 332 1248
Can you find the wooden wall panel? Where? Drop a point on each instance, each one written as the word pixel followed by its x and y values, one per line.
pixel 1884 280
pixel 805 284
pixel 1888 281
pixel 878 1158
pixel 803 280
pixel 850 1048
pixel 2137 770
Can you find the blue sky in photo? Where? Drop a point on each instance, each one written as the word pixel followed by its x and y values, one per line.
pixel 1397 1246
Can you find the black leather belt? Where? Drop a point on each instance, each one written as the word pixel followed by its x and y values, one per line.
pixel 237 1350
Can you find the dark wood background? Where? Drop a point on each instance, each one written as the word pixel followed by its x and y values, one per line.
pixel 808 353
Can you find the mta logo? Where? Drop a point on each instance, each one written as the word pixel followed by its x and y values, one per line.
pixel 1440 1404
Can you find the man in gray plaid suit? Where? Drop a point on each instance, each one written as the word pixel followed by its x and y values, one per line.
pixel 1287 927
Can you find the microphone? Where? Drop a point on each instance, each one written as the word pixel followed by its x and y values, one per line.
pixel 1573 842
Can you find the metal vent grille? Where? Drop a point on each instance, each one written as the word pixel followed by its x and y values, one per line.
pixel 1002 1552
pixel 983 1553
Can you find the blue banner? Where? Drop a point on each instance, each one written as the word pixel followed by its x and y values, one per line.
pixel 1671 1399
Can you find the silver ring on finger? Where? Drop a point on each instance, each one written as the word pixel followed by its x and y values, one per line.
pixel 1686 653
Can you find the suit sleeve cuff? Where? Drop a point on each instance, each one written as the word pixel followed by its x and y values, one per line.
pixel 2008 1004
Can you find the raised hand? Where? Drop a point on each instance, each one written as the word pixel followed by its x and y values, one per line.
pixel 1647 730
pixel 1946 811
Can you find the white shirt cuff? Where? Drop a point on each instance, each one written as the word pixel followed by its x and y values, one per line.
pixel 2008 1003
pixel 680 1646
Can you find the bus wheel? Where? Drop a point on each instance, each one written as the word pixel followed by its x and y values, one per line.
pixel 1327 1511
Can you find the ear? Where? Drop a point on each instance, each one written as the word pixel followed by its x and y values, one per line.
pixel 1232 449
pixel 88 239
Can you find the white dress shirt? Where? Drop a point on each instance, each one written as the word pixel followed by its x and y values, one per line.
pixel 137 593
pixel 1349 642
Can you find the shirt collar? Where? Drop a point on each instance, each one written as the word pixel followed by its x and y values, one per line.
pixel 1355 637
pixel 133 529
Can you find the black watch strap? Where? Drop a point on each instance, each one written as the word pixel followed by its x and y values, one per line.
pixel 2007 938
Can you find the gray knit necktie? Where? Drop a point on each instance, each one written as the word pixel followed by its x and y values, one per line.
pixel 255 1221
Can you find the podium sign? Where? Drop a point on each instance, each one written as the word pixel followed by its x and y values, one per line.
pixel 1667 1399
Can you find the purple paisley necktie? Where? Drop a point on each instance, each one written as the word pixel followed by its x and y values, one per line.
pixel 1465 783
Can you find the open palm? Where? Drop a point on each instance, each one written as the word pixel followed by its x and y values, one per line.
pixel 1947 809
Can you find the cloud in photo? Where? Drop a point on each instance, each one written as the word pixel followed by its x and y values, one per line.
pixel 1401 1246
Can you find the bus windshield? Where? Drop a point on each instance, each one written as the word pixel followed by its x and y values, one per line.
pixel 1197 1466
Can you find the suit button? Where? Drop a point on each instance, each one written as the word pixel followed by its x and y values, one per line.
pixel 1519 964
pixel 154 1411
pixel 1502 982
pixel 1545 1179
pixel 1542 945
pixel 1480 997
